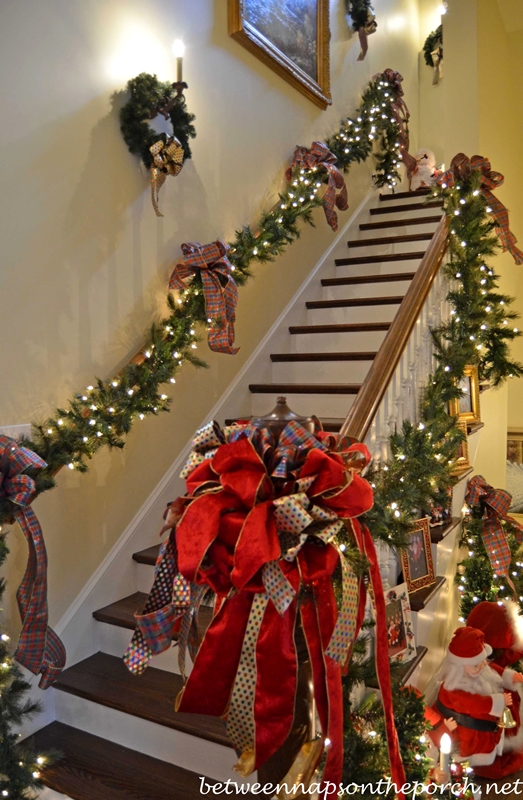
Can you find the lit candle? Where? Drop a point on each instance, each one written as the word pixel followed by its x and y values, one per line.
pixel 178 50
pixel 444 753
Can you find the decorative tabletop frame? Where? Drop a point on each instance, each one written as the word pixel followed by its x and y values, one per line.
pixel 314 80
pixel 416 558
pixel 467 407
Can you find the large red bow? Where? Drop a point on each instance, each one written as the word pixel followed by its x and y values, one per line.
pixel 461 168
pixel 320 156
pixel 39 648
pixel 211 261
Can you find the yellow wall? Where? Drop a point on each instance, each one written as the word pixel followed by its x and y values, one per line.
pixel 85 261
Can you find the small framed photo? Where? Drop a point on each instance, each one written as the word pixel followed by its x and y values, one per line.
pixel 416 558
pixel 515 446
pixel 400 633
pixel 462 462
pixel 466 407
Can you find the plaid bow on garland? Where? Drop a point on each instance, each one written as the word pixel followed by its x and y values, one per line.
pixel 461 168
pixel 400 112
pixel 39 648
pixel 320 156
pixel 495 504
pixel 211 261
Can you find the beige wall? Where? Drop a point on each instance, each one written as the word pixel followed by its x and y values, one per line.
pixel 85 261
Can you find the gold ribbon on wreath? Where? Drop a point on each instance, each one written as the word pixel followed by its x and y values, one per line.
pixel 437 62
pixel 167 160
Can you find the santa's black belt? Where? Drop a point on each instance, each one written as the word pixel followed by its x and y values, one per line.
pixel 467 722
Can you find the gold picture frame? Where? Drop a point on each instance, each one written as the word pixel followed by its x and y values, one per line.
pixel 467 407
pixel 416 558
pixel 462 462
pixel 299 53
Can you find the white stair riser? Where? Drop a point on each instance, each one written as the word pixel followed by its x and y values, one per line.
pixel 349 314
pixel 403 201
pixel 396 230
pixel 323 405
pixel 392 213
pixel 144 577
pixel 113 640
pixel 49 794
pixel 195 754
pixel 379 268
pixel 337 342
pixel 320 371
pixel 357 290
pixel 386 249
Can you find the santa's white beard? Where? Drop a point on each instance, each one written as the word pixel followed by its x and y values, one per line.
pixel 487 682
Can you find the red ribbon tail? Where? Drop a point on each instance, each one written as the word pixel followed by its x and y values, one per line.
pixel 382 663
pixel 362 34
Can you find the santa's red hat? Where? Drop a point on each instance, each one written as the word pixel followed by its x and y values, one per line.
pixel 500 622
pixel 468 647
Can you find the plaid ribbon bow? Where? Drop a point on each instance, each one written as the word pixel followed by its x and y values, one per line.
pixel 495 504
pixel 320 156
pixel 399 109
pixel 39 648
pixel 461 168
pixel 220 301
pixel 364 32
pixel 167 160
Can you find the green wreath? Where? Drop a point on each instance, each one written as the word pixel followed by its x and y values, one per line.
pixel 149 97
pixel 358 11
pixel 430 43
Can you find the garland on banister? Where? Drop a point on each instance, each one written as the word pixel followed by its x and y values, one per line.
pixel 105 411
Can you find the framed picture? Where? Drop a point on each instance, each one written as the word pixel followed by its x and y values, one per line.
pixel 290 36
pixel 462 462
pixel 400 633
pixel 466 407
pixel 416 558
pixel 515 446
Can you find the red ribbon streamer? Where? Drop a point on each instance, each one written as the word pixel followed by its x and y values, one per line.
pixel 211 261
pixel 461 167
pixel 399 109
pixel 39 648
pixel 320 156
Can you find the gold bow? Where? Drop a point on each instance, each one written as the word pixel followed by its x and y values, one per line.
pixel 167 160
pixel 437 62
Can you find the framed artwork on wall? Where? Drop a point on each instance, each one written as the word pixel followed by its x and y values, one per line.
pixel 291 37
pixel 400 633
pixel 467 406
pixel 416 558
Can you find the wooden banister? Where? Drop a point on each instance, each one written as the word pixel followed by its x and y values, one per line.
pixel 365 407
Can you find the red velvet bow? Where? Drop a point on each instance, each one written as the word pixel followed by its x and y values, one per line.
pixel 320 156
pixel 220 301
pixel 461 167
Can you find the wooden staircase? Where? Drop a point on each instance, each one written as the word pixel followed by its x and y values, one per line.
pixel 119 733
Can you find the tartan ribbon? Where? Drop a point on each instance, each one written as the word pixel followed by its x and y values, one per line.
pixel 399 109
pixel 167 160
pixel 210 262
pixel 461 167
pixel 39 648
pixel 319 155
pixel 364 32
pixel 255 539
pixel 437 62
pixel 495 504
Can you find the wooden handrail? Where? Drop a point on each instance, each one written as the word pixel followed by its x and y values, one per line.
pixel 368 399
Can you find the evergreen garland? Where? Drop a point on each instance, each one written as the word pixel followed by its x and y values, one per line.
pixel 147 94
pixel 430 43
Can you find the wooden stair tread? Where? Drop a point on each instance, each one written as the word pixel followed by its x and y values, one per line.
pixel 404 671
pixel 399 223
pixel 279 357
pixel 400 239
pixel 147 556
pixel 304 388
pixel 420 598
pixel 389 276
pixel 407 207
pixel 121 613
pixel 349 327
pixel 474 427
pixel 355 302
pixel 439 532
pixel 345 262
pixel 105 680
pixel 401 195
pixel 97 769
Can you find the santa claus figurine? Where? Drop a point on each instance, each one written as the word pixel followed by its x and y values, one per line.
pixel 475 694
pixel 503 628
